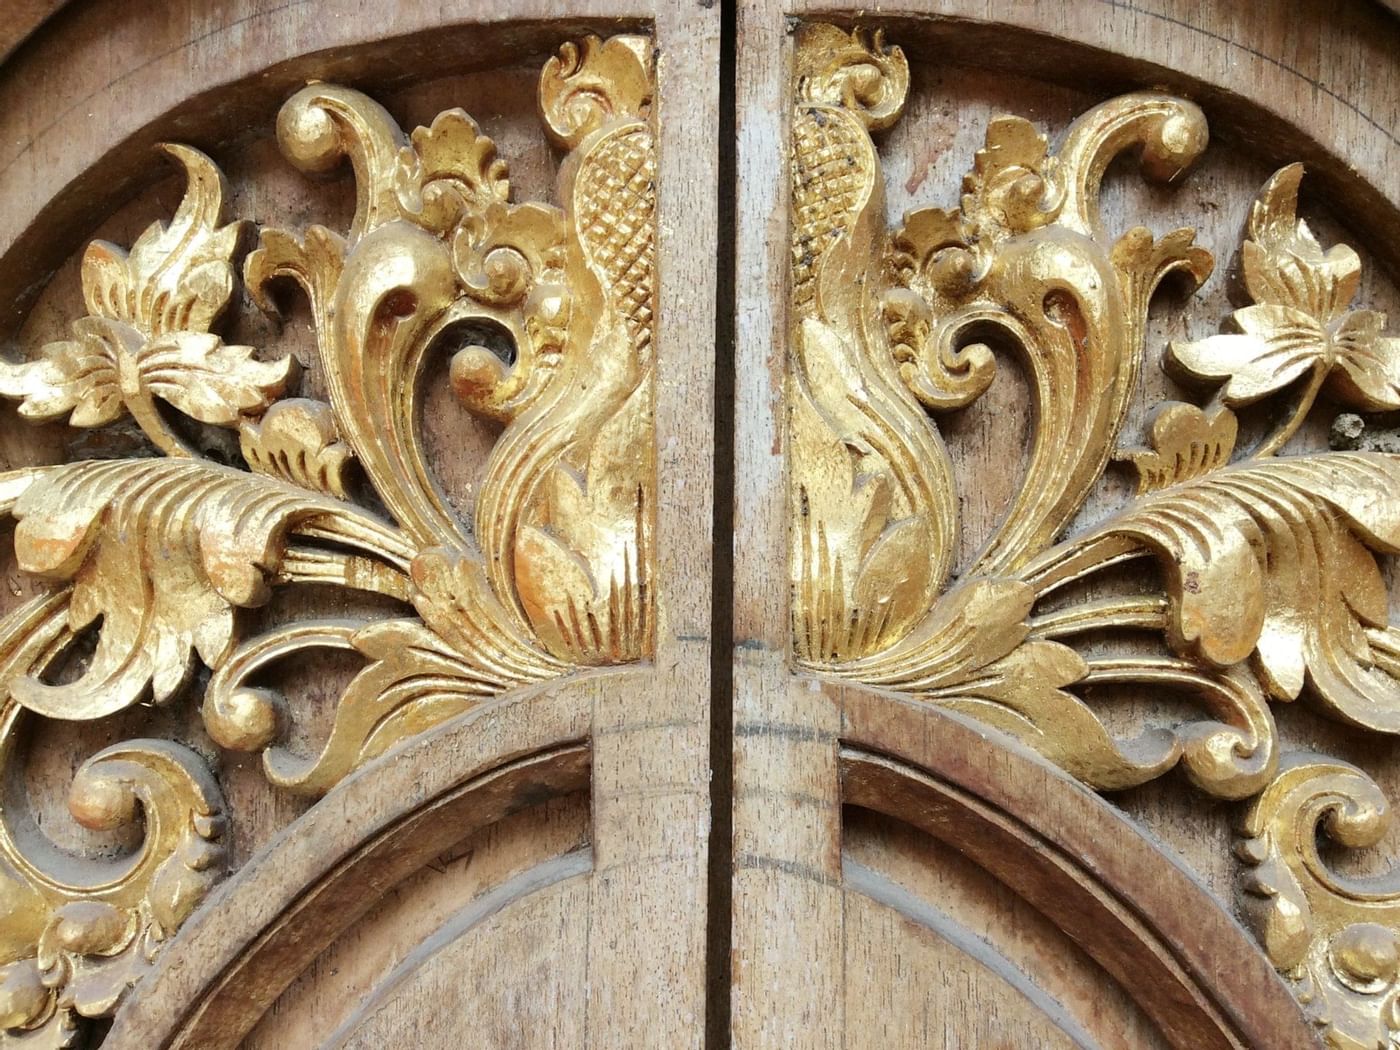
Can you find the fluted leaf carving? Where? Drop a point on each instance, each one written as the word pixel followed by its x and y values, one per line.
pixel 1269 586
pixel 157 557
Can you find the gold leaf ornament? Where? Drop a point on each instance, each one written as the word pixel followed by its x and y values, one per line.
pixel 216 532
pixel 157 557
pixel 1301 323
pixel 297 440
pixel 1273 559
pixel 1186 443
pixel 592 82
pixel 1270 589
pixel 1334 937
pixel 73 948
pixel 147 335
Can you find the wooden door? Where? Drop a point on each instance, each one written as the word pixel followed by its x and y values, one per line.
pixel 978 525
pixel 680 525
pixel 390 662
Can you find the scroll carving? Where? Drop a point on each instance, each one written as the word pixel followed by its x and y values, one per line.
pixel 1270 588
pixel 153 558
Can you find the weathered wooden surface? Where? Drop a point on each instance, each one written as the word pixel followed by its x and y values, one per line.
pixel 630 896
pixel 1333 105
pixel 480 877
pixel 614 956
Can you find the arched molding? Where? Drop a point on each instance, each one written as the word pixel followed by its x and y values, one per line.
pixel 1195 970
pixel 272 917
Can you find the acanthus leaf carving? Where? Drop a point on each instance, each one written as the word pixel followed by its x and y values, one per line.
pixel 157 557
pixel 1334 937
pixel 1268 588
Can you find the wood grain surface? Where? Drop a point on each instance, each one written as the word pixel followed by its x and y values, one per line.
pixel 1278 82
pixel 537 875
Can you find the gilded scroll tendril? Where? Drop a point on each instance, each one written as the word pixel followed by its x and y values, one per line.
pixel 156 556
pixel 1336 938
pixel 1270 585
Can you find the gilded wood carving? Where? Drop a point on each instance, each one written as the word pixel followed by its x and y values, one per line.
pixel 1270 589
pixel 155 556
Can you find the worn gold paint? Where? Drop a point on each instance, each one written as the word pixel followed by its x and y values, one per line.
pixel 1272 590
pixel 155 555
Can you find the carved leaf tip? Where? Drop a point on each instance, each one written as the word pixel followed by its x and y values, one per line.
pixel 592 82
pixel 1301 324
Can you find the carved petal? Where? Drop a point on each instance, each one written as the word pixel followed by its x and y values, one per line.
pixel 1278 345
pixel 73 376
pixel 176 277
pixel 1283 263
pixel 451 168
pixel 1368 364
pixel 213 382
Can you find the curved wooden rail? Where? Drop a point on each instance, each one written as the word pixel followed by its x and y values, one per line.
pixel 1125 899
pixel 277 913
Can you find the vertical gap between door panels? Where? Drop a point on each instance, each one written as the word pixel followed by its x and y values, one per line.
pixel 721 846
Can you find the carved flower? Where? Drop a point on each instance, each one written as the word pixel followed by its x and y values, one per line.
pixel 1299 323
pixel 450 169
pixel 147 334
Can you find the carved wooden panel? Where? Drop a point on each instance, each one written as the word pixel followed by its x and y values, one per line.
pixel 673 525
pixel 359 662
pixel 1076 457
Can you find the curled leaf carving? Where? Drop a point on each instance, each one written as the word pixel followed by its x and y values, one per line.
pixel 217 534
pixel 547 310
pixel 1335 938
pixel 73 947
pixel 1269 587
pixel 297 441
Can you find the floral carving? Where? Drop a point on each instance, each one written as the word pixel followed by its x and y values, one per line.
pixel 1335 938
pixel 1269 583
pixel 1300 325
pixel 154 557
pixel 147 334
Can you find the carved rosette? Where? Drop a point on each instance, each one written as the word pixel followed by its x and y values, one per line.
pixel 150 559
pixel 1271 586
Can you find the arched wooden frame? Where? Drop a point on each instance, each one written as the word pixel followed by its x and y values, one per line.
pixel 882 754
pixel 1194 970
pixel 273 917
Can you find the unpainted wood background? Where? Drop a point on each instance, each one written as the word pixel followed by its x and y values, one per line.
pixel 910 943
